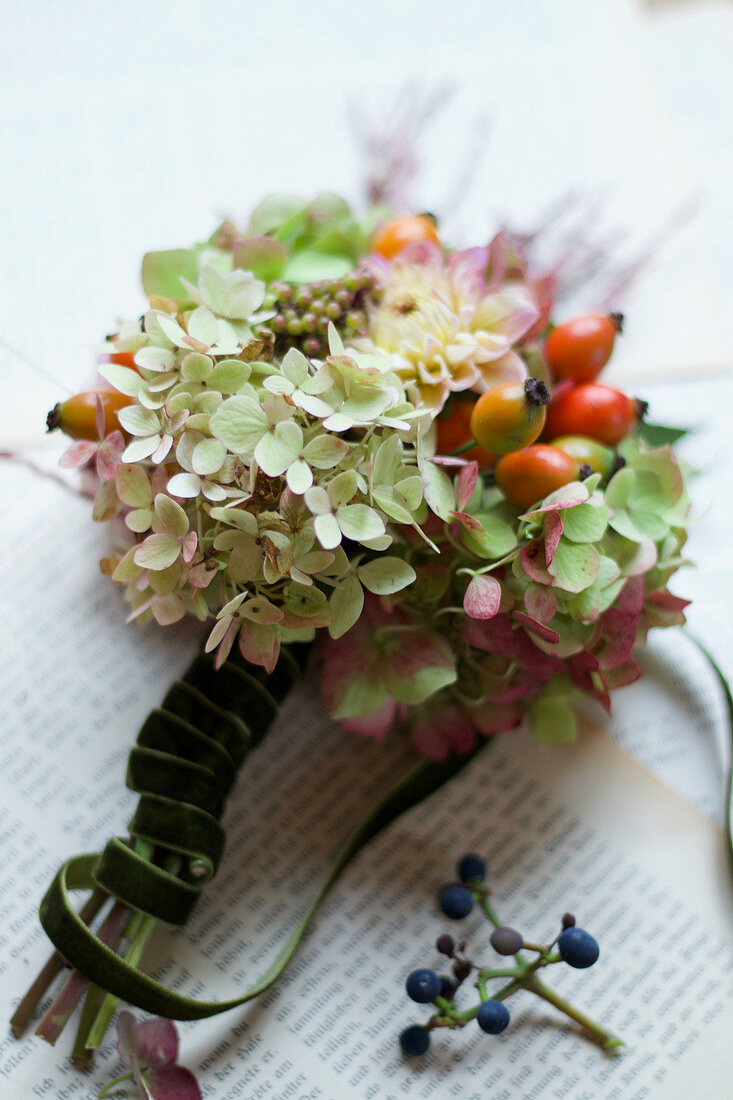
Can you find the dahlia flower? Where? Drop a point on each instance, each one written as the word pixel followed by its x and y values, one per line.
pixel 445 327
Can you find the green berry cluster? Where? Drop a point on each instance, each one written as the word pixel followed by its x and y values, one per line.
pixel 303 313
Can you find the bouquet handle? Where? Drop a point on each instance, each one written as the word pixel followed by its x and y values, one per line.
pixel 183 765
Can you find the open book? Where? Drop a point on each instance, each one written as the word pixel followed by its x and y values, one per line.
pixel 584 828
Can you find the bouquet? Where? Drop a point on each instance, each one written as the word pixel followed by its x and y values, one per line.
pixel 345 447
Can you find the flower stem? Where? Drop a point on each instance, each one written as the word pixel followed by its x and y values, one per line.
pixel 606 1039
pixel 55 1020
pixel 53 967
pixel 140 928
pixel 138 932
pixel 113 1085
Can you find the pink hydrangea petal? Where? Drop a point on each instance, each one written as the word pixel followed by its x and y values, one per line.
pixel 540 603
pixel 532 558
pixel 173 1083
pixel 443 730
pixel 127 1044
pixel 467 521
pixel 465 484
pixel 535 627
pixel 99 417
pixel 259 644
pixel 497 719
pixel 620 630
pixel 667 601
pixel 575 492
pixel 189 547
pixel 158 1041
pixel 78 454
pixel 494 636
pixel 631 597
pixel 225 645
pixel 624 674
pixel 482 598
pixel 553 534
pixel 109 454
pixel 511 694
pixel 376 724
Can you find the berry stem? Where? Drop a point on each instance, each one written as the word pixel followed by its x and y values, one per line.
pixel 605 1039
pixel 463 449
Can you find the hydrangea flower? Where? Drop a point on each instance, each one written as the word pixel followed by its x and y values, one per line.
pixel 150 1049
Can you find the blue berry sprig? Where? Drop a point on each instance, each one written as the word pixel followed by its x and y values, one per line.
pixel 572 945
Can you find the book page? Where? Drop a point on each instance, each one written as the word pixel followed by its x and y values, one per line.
pixel 583 828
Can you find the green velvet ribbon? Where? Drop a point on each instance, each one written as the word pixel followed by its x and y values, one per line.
pixel 183 766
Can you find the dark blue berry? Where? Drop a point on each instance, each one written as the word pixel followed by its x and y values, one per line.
pixel 423 986
pixel 447 987
pixel 577 947
pixel 471 867
pixel 415 1041
pixel 492 1017
pixel 456 902
pixel 507 941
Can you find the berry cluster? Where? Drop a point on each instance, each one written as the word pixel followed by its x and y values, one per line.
pixel 572 945
pixel 580 421
pixel 303 313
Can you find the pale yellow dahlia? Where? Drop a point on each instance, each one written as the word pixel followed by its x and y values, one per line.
pixel 444 327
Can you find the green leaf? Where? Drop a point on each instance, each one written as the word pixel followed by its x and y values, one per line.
pixel 346 605
pixel 418 665
pixel 162 273
pixel 239 423
pixel 395 509
pixel 656 435
pixel 359 522
pixel 574 566
pixel 235 296
pixel 229 375
pixel 123 379
pixel 310 266
pixel 552 720
pixel 171 515
pixel 439 491
pixel 619 487
pixel 496 538
pixel 325 451
pixel 157 552
pixel 272 211
pixel 584 522
pixel 236 517
pixel 263 256
pixel 133 486
pixel 208 456
pixel 386 575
